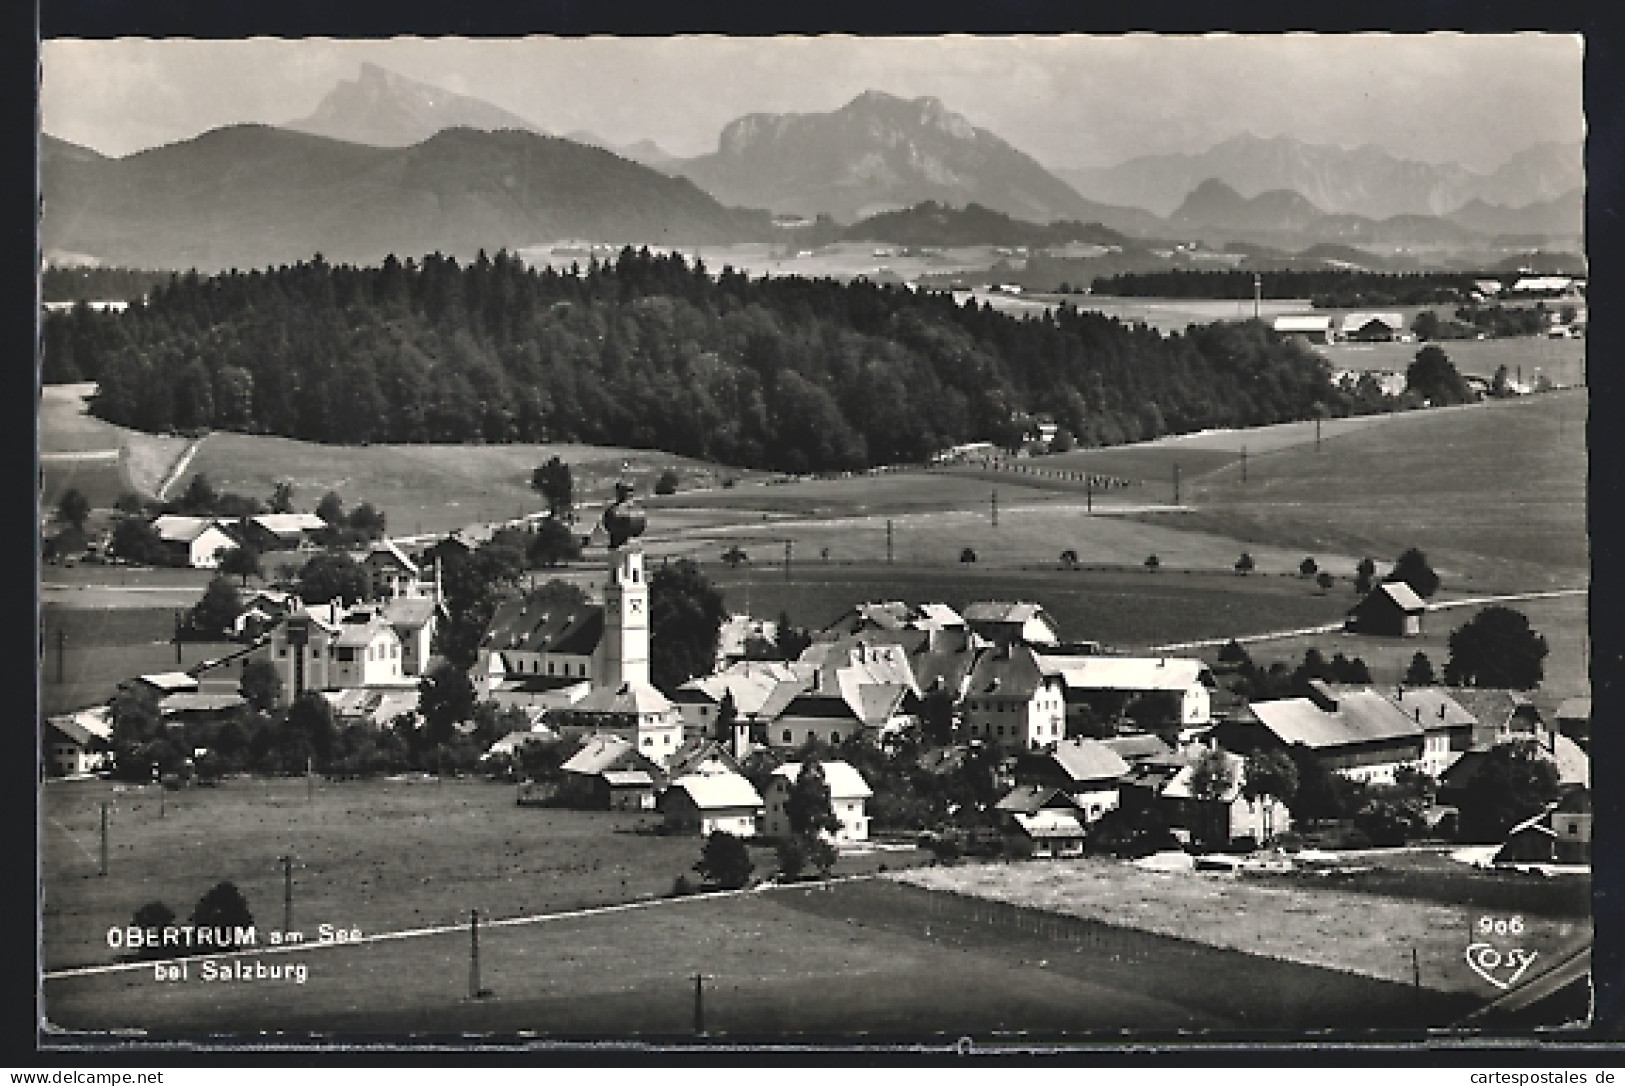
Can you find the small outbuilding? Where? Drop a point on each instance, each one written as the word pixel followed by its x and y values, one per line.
pixel 1392 609
pixel 704 804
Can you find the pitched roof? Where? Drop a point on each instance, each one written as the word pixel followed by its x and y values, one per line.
pixel 1403 595
pixel 1180 785
pixel 1361 717
pixel 1124 672
pixel 1490 707
pixel 385 550
pixel 1303 322
pixel 696 754
pixel 1007 672
pixel 1003 612
pixel 1088 760
pixel 76 733
pixel 170 681
pixel 844 781
pixel 526 626
pixel 628 698
pixel 190 702
pixel 1433 707
pixel 1136 748
pixel 1353 322
pixel 781 697
pixel 357 635
pixel 1050 823
pixel 718 790
pixel 597 754
pixel 627 778
pixel 172 528
pixel 751 683
pixel 410 612
pixel 1575 709
pixel 1029 798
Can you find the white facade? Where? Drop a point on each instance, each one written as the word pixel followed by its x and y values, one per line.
pixel 1013 723
pixel 626 619
pixel 848 800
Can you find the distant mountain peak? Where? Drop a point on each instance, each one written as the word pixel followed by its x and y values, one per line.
pixel 383 108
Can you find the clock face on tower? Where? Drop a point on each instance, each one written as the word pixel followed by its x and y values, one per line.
pixel 634 605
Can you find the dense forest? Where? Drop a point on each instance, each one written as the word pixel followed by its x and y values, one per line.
pixel 98 284
pixel 647 350
pixel 1339 288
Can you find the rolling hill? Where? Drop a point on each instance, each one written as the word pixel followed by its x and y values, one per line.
pixel 254 195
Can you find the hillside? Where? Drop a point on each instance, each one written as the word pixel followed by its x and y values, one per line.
pixel 933 224
pixel 879 153
pixel 385 109
pixel 252 196
pixel 1215 204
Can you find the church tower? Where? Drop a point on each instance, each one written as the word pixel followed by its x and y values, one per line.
pixel 626 597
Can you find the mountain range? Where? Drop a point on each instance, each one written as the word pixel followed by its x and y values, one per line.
pixel 883 153
pixel 1367 181
pixel 386 109
pixel 253 195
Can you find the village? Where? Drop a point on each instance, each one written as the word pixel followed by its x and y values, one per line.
pixel 982 731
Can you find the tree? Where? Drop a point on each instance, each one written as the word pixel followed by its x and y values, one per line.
pixel 1153 563
pixel 129 503
pixel 1363 575
pixel 331 509
pixel 725 861
pixel 822 854
pixel 685 617
pixel 667 483
pixel 937 717
pixel 282 497
pixel 1514 781
pixel 311 732
pixel 1498 648
pixel 790 640
pixel 1413 569
pixel 735 557
pixel 1324 581
pixel 1321 793
pixel 792 856
pixel 1390 822
pixel 224 907
pixel 1234 654
pixel 213 615
pixel 1432 376
pixel 554 483
pixel 1069 558
pixel 261 685
pixel 552 544
pixel 1420 672
pixel 1245 564
pixel 1212 777
pixel 328 577
pixel 808 805
pixel 154 914
pixel 200 496
pixel 243 562
pixel 967 555
pixel 1270 773
pixel 368 522
pixel 73 509
pixel 134 540
pixel 446 699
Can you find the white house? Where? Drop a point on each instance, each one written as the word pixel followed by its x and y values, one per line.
pixel 1188 680
pixel 848 796
pixel 198 542
pixel 1316 328
pixel 1011 703
pixel 73 749
pixel 710 802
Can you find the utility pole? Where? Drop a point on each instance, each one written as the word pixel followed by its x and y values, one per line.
pixel 103 871
pixel 993 504
pixel 62 635
pixel 177 639
pixel 699 1004
pixel 789 545
pixel 474 989
pixel 1176 484
pixel 1244 463
pixel 1317 433
pixel 310 781
pixel 1089 492
pixel 888 542
pixel 287 892
pixel 1258 294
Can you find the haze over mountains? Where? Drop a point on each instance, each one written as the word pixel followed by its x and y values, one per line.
pixel 390 164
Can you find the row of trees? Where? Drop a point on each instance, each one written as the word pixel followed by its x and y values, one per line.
pixel 1330 288
pixel 788 374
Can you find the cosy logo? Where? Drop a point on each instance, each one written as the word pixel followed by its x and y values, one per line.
pixel 1502 966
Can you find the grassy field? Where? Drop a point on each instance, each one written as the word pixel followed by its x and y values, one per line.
pixel 381 855
pixel 1562 361
pixel 1494 493
pixel 1561 621
pixel 866 959
pixel 105 647
pixel 1120 607
pixel 1369 934
pixel 96 458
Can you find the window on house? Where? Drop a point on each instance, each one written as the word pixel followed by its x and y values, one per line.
pixel 787 735
pixel 811 736
pixel 1001 729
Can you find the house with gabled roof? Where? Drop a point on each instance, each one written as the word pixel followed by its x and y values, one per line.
pixel 1086 770
pixel 1391 609
pixel 198 542
pixel 1312 327
pixel 1097 682
pixel 414 620
pixel 1011 702
pixel 1216 813
pixel 1373 327
pixel 635 712
pixel 706 803
pixel 749 683
pixel 1047 817
pixel 74 750
pixel 1357 733
pixel 282 531
pixel 610 773
pixel 390 571
pixel 543 639
pixel 848 798
pixel 1005 623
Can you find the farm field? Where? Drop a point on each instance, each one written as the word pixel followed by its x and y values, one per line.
pixel 1562 361
pixel 1562 622
pixel 1124 608
pixel 381 855
pixel 98 459
pixel 425 489
pixel 869 957
pixel 1495 494
pixel 106 647
pixel 1294 920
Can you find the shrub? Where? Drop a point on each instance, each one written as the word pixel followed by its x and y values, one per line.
pixel 154 914
pixel 223 907
pixel 667 483
pixel 1019 847
pixel 682 887
pixel 1153 563
pixel 967 555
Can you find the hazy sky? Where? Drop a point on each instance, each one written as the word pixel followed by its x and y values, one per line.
pixel 1067 101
